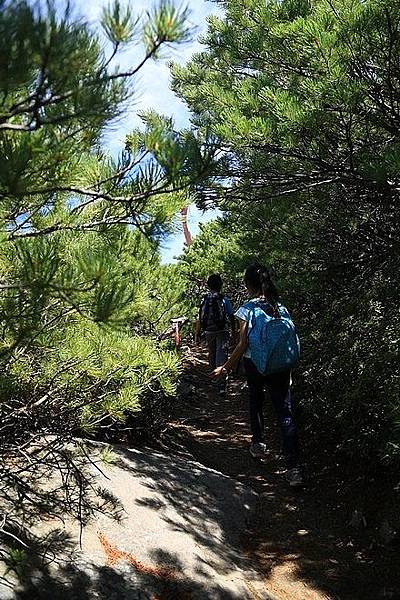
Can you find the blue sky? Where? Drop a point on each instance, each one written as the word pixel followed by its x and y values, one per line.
pixel 153 91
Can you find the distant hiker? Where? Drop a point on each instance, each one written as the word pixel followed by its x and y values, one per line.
pixel 270 348
pixel 216 319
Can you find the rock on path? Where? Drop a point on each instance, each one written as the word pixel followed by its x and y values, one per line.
pixel 178 538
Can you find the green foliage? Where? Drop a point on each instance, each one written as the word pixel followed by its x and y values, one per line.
pixel 108 456
pixel 84 303
pixel 83 297
pixel 73 218
pixel 215 250
pixel 165 24
pixel 302 100
pixel 118 23
pixel 17 561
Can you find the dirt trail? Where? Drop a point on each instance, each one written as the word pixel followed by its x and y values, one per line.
pixel 297 539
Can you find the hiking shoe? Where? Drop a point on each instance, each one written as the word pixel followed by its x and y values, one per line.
pixel 257 449
pixel 294 477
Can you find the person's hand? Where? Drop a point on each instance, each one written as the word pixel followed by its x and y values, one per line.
pixel 218 372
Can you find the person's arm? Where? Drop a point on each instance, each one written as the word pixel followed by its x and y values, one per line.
pixel 232 323
pixel 236 354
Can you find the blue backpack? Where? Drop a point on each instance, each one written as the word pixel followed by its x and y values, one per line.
pixel 273 342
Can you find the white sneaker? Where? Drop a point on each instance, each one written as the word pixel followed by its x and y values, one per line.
pixel 294 477
pixel 257 450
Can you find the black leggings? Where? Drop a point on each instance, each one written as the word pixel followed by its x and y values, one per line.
pixel 278 386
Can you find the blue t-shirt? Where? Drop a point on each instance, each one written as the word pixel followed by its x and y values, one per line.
pixel 228 306
pixel 244 313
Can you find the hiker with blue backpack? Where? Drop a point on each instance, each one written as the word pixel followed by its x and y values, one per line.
pixel 270 349
pixel 216 320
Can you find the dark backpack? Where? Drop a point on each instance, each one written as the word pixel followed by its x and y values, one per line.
pixel 213 313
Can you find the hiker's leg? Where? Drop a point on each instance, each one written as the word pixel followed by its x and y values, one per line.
pixel 255 383
pixel 211 340
pixel 222 339
pixel 279 389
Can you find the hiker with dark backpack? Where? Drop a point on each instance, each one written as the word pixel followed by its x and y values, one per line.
pixel 216 320
pixel 270 348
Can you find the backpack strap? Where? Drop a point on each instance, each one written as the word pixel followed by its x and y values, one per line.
pixel 259 304
pixel 202 310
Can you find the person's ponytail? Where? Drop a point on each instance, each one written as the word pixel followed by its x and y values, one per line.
pixel 268 288
pixel 259 278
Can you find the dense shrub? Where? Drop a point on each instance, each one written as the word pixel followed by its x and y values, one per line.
pixel 302 99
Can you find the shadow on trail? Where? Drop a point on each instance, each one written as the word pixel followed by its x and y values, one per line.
pixel 179 538
pixel 108 583
pixel 207 505
pixel 298 539
pixel 61 573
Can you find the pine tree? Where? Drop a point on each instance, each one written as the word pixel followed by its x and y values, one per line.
pixel 82 292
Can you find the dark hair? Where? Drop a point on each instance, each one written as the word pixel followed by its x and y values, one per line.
pixel 214 282
pixel 258 277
